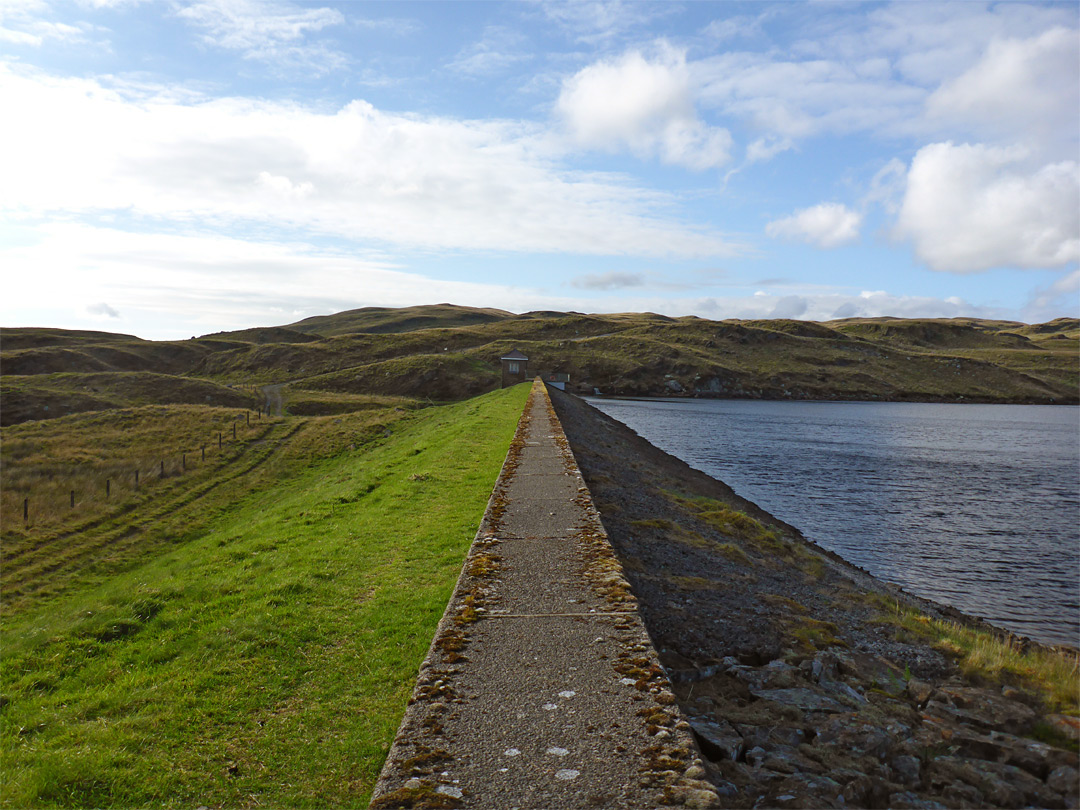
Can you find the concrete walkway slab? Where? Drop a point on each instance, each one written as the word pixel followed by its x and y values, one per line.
pixel 541 688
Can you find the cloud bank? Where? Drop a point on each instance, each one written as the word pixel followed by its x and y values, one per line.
pixel 353 172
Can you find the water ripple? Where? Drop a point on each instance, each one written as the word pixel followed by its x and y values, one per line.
pixel 977 506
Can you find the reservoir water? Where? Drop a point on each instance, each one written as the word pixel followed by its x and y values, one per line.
pixel 975 506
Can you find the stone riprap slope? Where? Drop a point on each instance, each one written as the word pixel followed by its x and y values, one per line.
pixel 798 687
pixel 541 688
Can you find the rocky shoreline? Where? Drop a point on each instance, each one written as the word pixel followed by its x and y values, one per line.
pixel 803 686
pixel 672 389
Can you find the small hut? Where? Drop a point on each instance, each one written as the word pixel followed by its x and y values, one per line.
pixel 515 368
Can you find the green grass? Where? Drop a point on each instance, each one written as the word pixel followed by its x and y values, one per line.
pixel 732 522
pixel 44 461
pixel 302 402
pixel 266 659
pixel 1052 674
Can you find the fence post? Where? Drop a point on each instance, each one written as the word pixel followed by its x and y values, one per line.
pixel 248 415
pixel 219 440
pixel 183 461
pixel 107 487
pixel 163 468
pixel 136 477
pixel 26 510
pixel 72 499
pixel 204 452
pixel 234 431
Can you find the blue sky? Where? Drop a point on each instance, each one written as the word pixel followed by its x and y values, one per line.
pixel 169 169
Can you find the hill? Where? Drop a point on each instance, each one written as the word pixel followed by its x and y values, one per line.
pixel 46 396
pixel 379 320
pixel 448 353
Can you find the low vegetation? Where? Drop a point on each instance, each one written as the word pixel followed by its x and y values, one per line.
pixel 997 658
pixel 447 353
pixel 257 644
pixel 982 654
pixel 48 396
pixel 304 402
pixel 66 476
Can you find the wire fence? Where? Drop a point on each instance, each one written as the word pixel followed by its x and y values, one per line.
pixel 47 495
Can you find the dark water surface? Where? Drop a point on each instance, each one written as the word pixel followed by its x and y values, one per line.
pixel 976 506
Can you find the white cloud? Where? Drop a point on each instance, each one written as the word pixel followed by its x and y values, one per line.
pixel 267 31
pixel 1028 87
pixel 789 306
pixel 927 43
pixel 766 148
pixel 738 27
pixel 598 21
pixel 172 285
pixel 644 105
pixel 99 4
pixel 284 186
pixel 788 99
pixel 102 309
pixel 609 281
pixel 818 306
pixel 926 70
pixel 498 49
pixel 826 225
pixel 972 207
pixel 25 23
pixel 355 172
pixel 1051 300
pixel 887 186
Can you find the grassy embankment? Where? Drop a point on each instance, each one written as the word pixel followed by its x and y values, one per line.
pixel 257 644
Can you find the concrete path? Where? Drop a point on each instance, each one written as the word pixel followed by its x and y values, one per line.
pixel 541 688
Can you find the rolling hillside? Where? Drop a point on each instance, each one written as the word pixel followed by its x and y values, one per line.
pixel 446 353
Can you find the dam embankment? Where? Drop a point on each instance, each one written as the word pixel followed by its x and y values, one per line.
pixel 541 688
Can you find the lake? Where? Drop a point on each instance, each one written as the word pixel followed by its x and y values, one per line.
pixel 975 506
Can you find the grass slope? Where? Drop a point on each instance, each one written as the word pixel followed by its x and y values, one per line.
pixel 46 396
pixel 265 658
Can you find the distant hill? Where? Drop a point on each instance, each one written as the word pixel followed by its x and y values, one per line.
pixel 264 334
pixel 33 338
pixel 380 320
pixel 445 352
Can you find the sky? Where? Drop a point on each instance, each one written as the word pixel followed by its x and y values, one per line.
pixel 179 167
